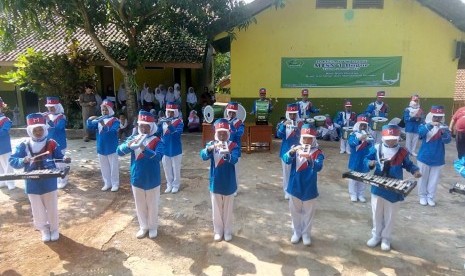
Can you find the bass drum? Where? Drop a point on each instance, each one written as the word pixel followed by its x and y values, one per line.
pixel 241 113
pixel 213 112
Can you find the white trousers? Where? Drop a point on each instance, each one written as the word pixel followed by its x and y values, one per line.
pixel 302 213
pixel 61 166
pixel 356 188
pixel 172 168
pixel 45 210
pixel 222 213
pixel 6 168
pixel 344 146
pixel 147 202
pixel 411 140
pixel 286 175
pixel 428 181
pixel 236 168
pixel 109 166
pixel 384 214
pixel 376 136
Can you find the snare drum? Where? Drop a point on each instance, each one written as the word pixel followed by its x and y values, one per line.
pixel 213 112
pixel 346 131
pixel 319 120
pixel 378 123
pixel 310 121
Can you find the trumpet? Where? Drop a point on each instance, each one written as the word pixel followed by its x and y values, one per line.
pixel 222 147
pixel 291 123
pixel 366 134
pixel 165 120
pixel 137 141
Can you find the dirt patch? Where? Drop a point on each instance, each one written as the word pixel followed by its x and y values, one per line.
pixel 98 228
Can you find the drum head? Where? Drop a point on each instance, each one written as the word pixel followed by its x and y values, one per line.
pixel 319 118
pixel 379 119
pixel 241 113
pixel 209 114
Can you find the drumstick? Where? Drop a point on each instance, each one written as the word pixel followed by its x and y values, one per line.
pixel 39 155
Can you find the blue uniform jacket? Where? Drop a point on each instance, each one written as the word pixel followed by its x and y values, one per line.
pixel 411 123
pixel 5 141
pixel 358 150
pixel 171 136
pixel 145 165
pixel 398 162
pixel 305 113
pixel 107 136
pixel 222 171
pixel 303 179
pixel 371 110
pixel 237 130
pixel 57 131
pixel 290 137
pixel 432 150
pixel 37 186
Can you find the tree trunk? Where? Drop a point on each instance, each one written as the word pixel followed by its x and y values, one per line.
pixel 131 90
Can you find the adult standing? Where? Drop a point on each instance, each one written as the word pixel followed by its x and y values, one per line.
pixel 457 126
pixel 88 102
pixel 306 107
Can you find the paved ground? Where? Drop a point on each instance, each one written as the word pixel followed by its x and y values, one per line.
pixel 98 228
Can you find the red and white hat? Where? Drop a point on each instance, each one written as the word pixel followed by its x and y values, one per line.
pixel 145 117
pixel 35 119
pixel 305 92
pixel 437 110
pixel 52 101
pixel 222 124
pixel 292 108
pixel 381 94
pixel 390 132
pixel 232 106
pixel 262 91
pixel 362 119
pixel 308 130
pixel 107 103
pixel 171 106
pixel 347 103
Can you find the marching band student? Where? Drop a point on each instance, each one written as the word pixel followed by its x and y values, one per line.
pixel 5 147
pixel 56 121
pixel 328 131
pixel 413 118
pixel 170 130
pixel 223 155
pixel 389 158
pixel 237 130
pixel 146 152
pixel 306 107
pixel 377 108
pixel 345 118
pixel 431 156
pixel 37 153
pixel 107 128
pixel 289 132
pixel 306 161
pixel 360 143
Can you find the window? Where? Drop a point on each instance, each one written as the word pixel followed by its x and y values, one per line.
pixel 331 4
pixel 368 4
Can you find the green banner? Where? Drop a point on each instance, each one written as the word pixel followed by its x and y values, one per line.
pixel 340 72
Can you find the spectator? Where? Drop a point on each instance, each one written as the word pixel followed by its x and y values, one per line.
pixel 191 99
pixel 88 102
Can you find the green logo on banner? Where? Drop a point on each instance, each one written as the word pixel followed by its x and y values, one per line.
pixel 340 72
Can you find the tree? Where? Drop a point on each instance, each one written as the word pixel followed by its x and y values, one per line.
pixel 62 75
pixel 132 19
pixel 222 66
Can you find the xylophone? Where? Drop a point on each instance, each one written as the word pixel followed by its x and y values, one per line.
pixel 400 186
pixel 37 174
pixel 458 188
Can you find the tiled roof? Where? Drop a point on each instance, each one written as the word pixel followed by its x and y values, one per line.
pixel 459 94
pixel 156 46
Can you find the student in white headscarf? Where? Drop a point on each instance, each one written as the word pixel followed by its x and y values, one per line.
pixel 160 98
pixel 177 94
pixel 146 98
pixel 122 96
pixel 169 97
pixel 191 99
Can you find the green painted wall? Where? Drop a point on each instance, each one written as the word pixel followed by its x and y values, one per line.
pixel 332 105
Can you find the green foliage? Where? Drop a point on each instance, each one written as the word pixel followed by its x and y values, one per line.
pixel 221 66
pixel 54 75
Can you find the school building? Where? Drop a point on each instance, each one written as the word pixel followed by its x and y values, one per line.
pixel 348 49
